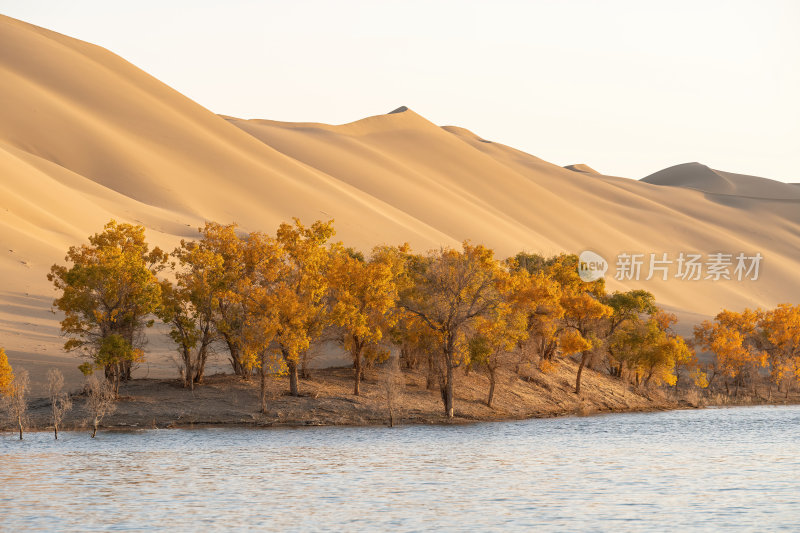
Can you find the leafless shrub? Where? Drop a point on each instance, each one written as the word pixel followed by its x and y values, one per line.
pixel 59 400
pixel 17 399
pixel 100 401
pixel 394 382
pixel 696 397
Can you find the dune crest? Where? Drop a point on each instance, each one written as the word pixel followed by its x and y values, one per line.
pixel 85 136
pixel 586 169
pixel 702 178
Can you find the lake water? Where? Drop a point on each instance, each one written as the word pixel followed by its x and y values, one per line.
pixel 700 469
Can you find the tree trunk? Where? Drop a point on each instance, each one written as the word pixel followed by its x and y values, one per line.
pixel 294 388
pixel 430 381
pixel 188 370
pixel 293 377
pixel 584 358
pixel 115 385
pixel 492 380
pixel 447 388
pixel 357 370
pixel 94 427
pixel 235 359
pixel 263 384
pixel 202 354
pixel 448 404
pixel 127 368
pixel 19 422
pixel 55 420
pixel 291 364
pixel 201 365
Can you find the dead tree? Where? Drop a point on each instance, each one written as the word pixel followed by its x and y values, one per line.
pixel 100 401
pixel 60 401
pixel 394 382
pixel 17 399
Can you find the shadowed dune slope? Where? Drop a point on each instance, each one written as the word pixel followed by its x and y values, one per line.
pixel 702 178
pixel 86 136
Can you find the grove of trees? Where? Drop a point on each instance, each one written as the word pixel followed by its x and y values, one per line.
pixel 266 300
pixel 752 344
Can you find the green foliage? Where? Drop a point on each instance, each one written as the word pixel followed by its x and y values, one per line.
pixel 531 263
pixel 649 351
pixel 114 350
pixel 108 294
pixel 629 305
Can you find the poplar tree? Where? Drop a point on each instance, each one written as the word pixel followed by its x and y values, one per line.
pixel 364 295
pixel 108 291
pixel 450 292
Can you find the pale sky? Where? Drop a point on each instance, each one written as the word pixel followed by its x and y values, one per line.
pixel 627 87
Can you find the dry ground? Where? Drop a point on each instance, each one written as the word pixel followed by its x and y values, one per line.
pixel 327 399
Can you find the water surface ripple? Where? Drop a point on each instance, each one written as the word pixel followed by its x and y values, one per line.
pixel 699 469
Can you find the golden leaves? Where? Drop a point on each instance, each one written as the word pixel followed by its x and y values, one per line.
pixel 751 339
pixel 6 373
pixel 109 288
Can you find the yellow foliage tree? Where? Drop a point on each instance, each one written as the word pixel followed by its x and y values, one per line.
pixel 450 292
pixel 584 311
pixel 6 373
pixel 229 282
pixel 299 291
pixel 736 341
pixel 364 294
pixel 781 329
pixel 650 350
pixel 109 291
pixel 541 296
pixel 498 333
pixel 260 309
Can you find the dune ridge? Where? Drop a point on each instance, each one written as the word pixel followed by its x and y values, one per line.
pixel 702 178
pixel 586 169
pixel 86 136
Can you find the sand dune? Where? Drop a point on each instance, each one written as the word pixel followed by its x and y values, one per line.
pixel 702 178
pixel 86 136
pixel 586 169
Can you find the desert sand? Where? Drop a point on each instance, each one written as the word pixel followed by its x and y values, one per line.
pixel 86 136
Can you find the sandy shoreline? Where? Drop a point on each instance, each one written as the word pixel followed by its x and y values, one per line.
pixel 327 400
